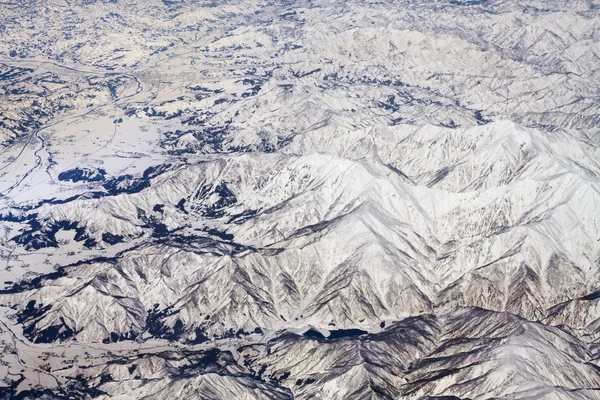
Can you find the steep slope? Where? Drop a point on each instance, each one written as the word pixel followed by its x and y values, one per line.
pixel 466 353
pixel 299 200
pixel 319 240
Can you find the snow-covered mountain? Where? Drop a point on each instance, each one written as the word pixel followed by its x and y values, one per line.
pixel 300 200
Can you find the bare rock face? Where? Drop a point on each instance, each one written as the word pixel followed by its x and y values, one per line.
pixel 299 200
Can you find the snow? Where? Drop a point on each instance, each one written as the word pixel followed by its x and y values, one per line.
pixel 427 172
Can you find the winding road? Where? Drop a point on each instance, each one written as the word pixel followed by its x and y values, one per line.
pixel 36 136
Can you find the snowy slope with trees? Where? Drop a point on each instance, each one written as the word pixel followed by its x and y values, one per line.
pixel 300 200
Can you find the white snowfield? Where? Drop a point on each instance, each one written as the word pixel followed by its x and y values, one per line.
pixel 300 199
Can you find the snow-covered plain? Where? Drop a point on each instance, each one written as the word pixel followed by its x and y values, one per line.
pixel 300 199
